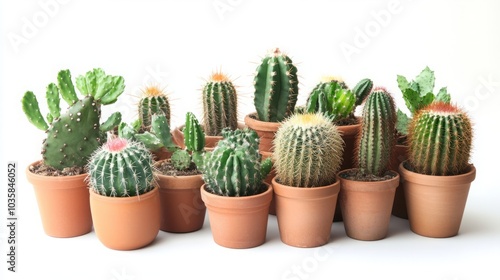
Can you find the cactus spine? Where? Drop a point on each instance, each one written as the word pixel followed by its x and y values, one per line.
pixel 219 104
pixel 121 168
pixel 153 101
pixel 307 151
pixel 376 140
pixel 276 87
pixel 440 139
pixel 74 135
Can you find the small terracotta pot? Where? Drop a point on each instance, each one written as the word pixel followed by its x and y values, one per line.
pixel 399 154
pixel 265 130
pixel 63 203
pixel 305 214
pixel 436 203
pixel 238 222
pixel 268 180
pixel 161 154
pixel 126 223
pixel 181 205
pixel 366 206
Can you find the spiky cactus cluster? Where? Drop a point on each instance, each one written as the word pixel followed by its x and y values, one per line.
pixel 376 140
pixel 440 139
pixel 307 151
pixel 219 104
pixel 74 135
pixel 153 101
pixel 194 140
pixel 121 168
pixel 234 167
pixel 276 87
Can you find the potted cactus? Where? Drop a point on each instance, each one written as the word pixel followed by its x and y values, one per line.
pixel 72 136
pixel 276 90
pixel 437 175
pixel 236 197
pixel 367 191
pixel 307 156
pixel 124 196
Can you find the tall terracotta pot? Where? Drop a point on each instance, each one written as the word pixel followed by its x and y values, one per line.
pixel 238 222
pixel 63 203
pixel 366 206
pixel 436 203
pixel 305 214
pixel 265 130
pixel 399 154
pixel 126 223
pixel 181 205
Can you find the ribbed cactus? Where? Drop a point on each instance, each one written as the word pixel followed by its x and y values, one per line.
pixel 219 104
pixel 308 151
pixel 233 168
pixel 361 90
pixel 121 168
pixel 153 101
pixel 376 140
pixel 331 97
pixel 75 134
pixel 276 87
pixel 194 140
pixel 440 139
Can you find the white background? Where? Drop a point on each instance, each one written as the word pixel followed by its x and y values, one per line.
pixel 177 44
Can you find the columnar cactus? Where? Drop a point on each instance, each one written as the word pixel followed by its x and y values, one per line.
pixel 219 104
pixel 307 151
pixel 361 90
pixel 194 140
pixel 276 87
pixel 376 140
pixel 440 139
pixel 153 101
pixel 75 134
pixel 234 168
pixel 121 168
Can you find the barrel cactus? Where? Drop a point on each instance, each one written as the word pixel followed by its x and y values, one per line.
pixel 219 104
pixel 307 151
pixel 121 168
pixel 234 167
pixel 74 135
pixel 440 139
pixel 153 101
pixel 377 137
pixel 276 87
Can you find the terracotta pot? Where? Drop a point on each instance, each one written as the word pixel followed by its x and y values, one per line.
pixel 366 206
pixel 126 223
pixel 436 203
pixel 161 154
pixel 63 203
pixel 238 222
pixel 399 154
pixel 268 180
pixel 181 205
pixel 265 130
pixel 210 141
pixel 305 214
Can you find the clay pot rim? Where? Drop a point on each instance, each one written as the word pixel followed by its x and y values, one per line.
pixel 305 193
pixel 261 125
pixel 368 186
pixel 242 202
pixel 350 130
pixel 166 177
pixel 442 181
pixel 58 182
pixel 125 200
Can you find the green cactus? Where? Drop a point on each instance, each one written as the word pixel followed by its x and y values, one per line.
pixel 308 151
pixel 121 168
pixel 376 140
pixel 181 160
pixel 153 101
pixel 75 134
pixel 219 104
pixel 276 87
pixel 233 168
pixel 440 139
pixel 361 90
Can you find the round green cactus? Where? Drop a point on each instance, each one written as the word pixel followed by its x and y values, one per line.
pixel 440 139
pixel 121 168
pixel 308 151
pixel 153 101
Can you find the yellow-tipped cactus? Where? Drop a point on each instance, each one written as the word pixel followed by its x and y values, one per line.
pixel 153 101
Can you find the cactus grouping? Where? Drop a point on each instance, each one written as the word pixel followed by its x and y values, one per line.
pixel 376 140
pixel 153 101
pixel 219 104
pixel 74 135
pixel 440 139
pixel 234 167
pixel 276 87
pixel 121 168
pixel 307 151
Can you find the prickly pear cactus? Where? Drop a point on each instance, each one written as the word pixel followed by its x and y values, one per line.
pixel 121 168
pixel 219 104
pixel 308 151
pixel 153 101
pixel 276 87
pixel 440 139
